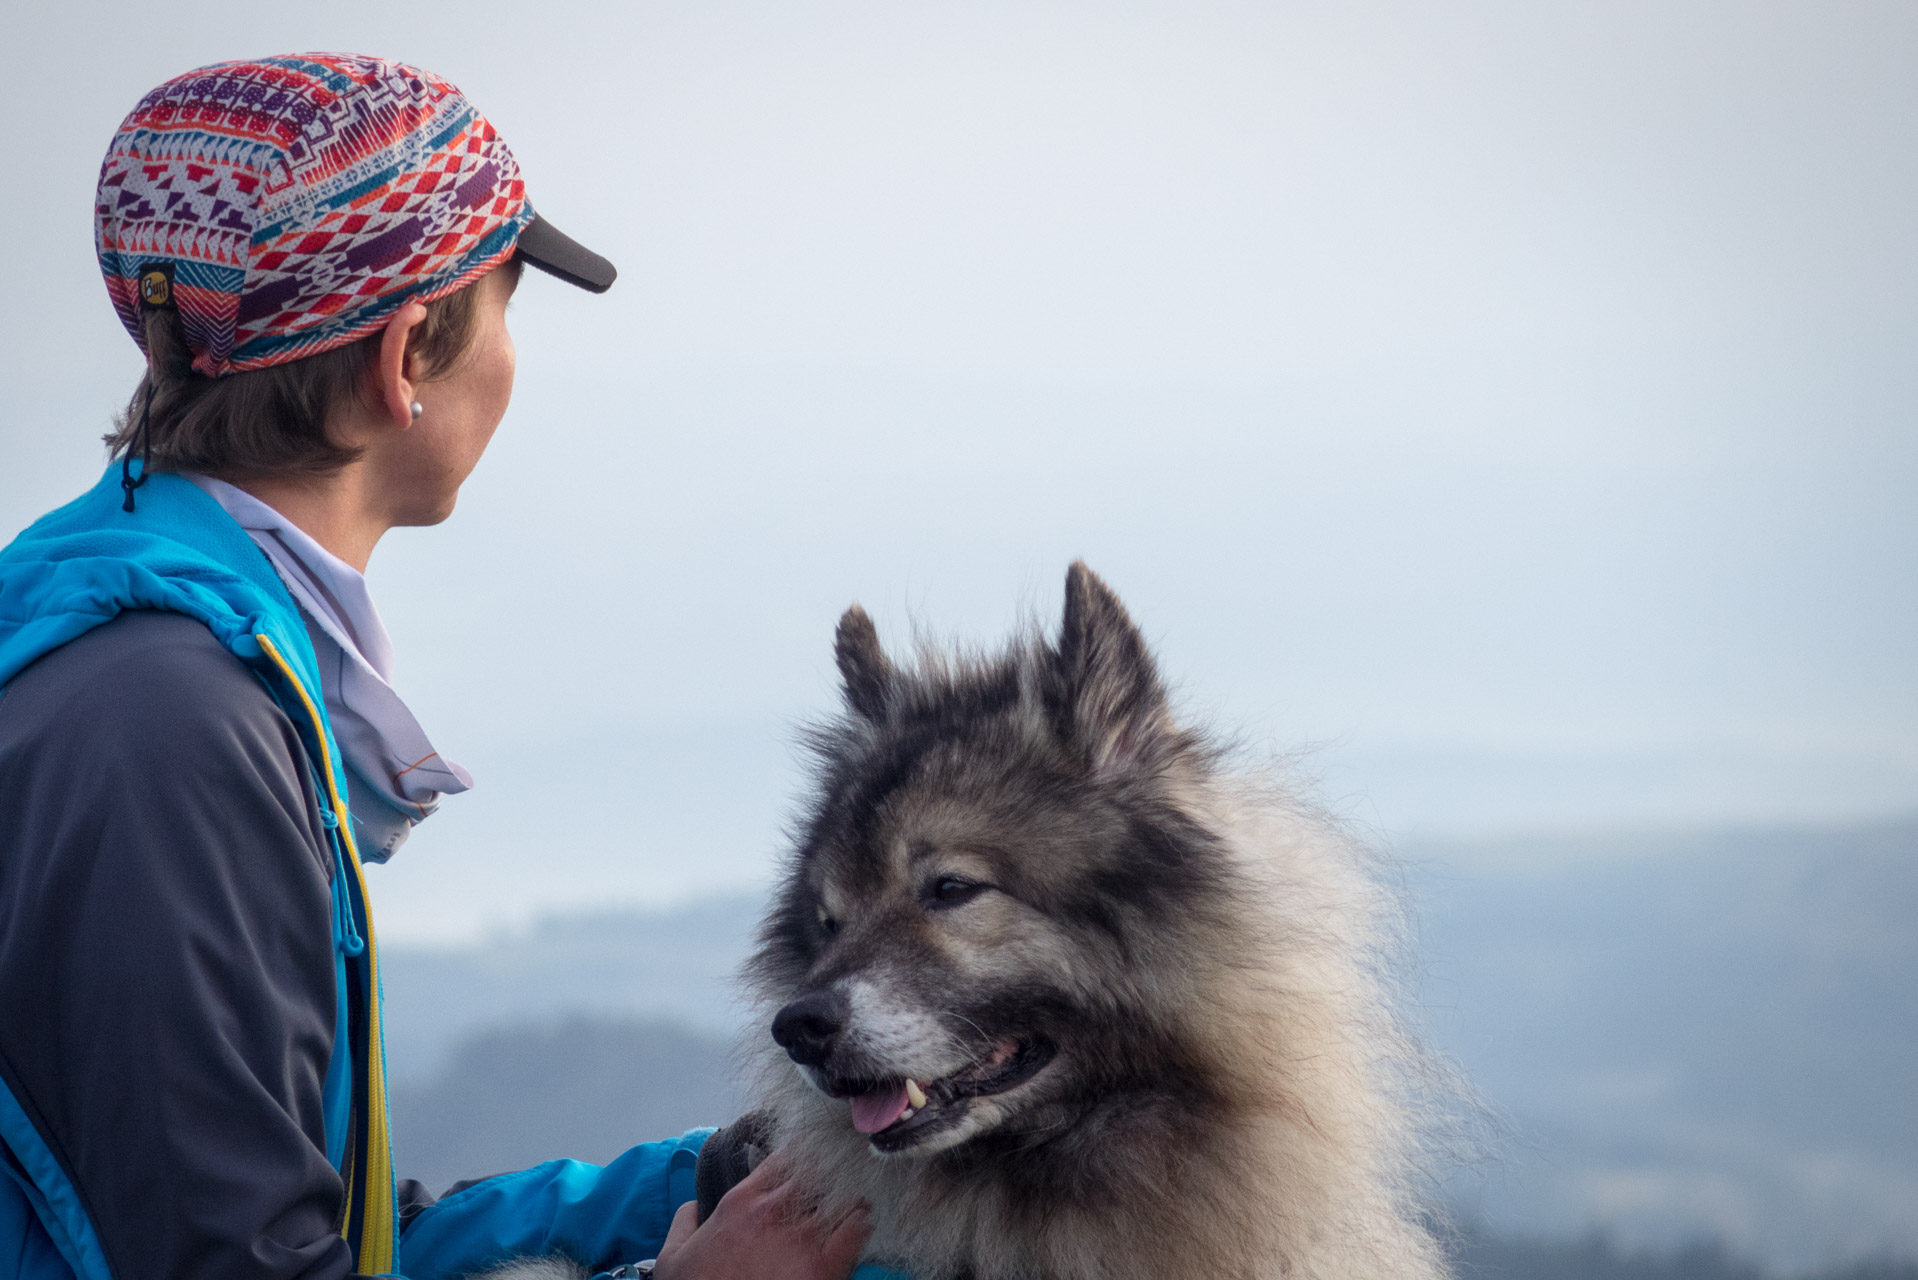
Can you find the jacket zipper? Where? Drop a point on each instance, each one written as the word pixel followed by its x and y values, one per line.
pixel 376 1194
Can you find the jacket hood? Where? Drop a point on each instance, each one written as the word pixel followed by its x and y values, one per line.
pixel 84 564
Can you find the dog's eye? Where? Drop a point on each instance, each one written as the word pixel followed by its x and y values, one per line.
pixel 951 891
pixel 827 924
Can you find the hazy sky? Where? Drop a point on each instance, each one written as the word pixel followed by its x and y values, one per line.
pixel 1519 400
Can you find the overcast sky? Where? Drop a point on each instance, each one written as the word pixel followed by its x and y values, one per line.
pixel 1519 401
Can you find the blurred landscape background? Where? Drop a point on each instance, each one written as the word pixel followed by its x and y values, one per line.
pixel 1511 405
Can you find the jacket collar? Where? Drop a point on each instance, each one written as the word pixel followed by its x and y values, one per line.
pixel 86 563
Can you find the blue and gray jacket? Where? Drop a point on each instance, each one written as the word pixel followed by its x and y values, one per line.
pixel 191 1073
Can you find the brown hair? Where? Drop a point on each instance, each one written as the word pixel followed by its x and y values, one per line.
pixel 271 420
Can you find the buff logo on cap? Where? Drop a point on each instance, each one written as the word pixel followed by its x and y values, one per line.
pixel 291 205
pixel 156 286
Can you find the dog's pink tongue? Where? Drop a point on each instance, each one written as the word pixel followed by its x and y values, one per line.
pixel 873 1111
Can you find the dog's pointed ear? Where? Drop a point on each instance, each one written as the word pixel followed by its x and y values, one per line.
pixel 1108 697
pixel 862 664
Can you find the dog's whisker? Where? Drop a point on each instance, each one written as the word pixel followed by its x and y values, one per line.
pixel 984 1039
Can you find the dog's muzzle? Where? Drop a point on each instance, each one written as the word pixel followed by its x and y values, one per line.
pixel 896 1112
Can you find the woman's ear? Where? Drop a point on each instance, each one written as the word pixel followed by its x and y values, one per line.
pixel 395 371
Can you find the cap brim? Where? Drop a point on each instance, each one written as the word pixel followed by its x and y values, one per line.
pixel 545 246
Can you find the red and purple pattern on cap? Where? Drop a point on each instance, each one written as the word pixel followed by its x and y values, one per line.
pixel 302 201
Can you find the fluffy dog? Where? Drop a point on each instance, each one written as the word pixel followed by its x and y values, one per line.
pixel 1070 997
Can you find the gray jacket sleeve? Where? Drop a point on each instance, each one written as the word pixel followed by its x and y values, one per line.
pixel 166 966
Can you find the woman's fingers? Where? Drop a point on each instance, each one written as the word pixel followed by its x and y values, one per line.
pixel 770 1172
pixel 766 1228
pixel 839 1253
pixel 767 1192
pixel 685 1222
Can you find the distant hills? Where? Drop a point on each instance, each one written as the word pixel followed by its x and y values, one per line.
pixel 578 1038
pixel 587 1087
pixel 674 966
pixel 1693 1036
pixel 1702 1036
pixel 1598 1257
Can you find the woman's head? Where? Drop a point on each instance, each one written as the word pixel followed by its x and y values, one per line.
pixel 269 229
pixel 286 418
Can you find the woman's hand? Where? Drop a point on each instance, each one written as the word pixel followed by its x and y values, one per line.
pixel 760 1232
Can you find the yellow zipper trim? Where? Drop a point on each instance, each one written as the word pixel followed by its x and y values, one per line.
pixel 376 1228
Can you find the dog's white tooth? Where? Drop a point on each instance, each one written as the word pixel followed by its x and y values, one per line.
pixel 906 1114
pixel 914 1094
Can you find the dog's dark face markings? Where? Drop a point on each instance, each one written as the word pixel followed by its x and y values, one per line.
pixel 990 843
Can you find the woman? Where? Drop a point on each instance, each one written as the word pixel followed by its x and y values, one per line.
pixel 199 740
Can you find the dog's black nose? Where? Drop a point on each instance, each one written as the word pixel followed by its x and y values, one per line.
pixel 806 1028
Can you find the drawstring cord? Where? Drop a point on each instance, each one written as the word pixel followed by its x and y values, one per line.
pixel 156 296
pixel 345 930
pixel 350 940
pixel 128 481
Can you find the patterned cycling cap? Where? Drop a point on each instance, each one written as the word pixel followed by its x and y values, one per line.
pixel 290 205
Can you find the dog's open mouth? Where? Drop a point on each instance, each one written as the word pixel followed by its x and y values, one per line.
pixel 898 1113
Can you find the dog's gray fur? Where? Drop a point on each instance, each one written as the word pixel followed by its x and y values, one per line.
pixel 1231 1092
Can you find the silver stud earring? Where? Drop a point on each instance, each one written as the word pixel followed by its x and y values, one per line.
pixel 417 411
